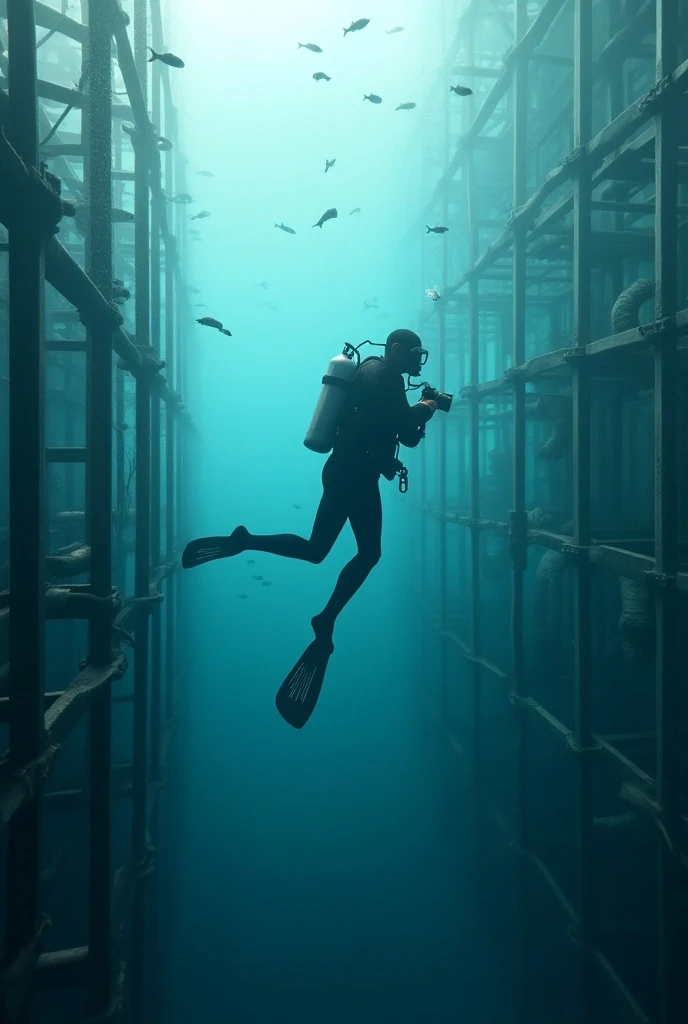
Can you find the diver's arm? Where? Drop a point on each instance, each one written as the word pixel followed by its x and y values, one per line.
pixel 412 432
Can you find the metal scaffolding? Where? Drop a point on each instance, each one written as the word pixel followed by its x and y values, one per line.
pixel 565 199
pixel 72 411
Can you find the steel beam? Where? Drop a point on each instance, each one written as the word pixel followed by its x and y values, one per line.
pixel 97 132
pixel 26 502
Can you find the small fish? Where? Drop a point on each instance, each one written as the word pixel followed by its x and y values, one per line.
pixel 206 174
pixel 266 583
pixel 166 58
pixel 461 90
pixel 437 230
pixel 296 506
pixel 433 294
pixel 320 76
pixel 250 561
pixel 274 308
pixel 393 31
pixel 193 290
pixel 183 197
pixel 327 215
pixel 356 210
pixel 373 98
pixel 406 106
pixel 244 597
pixel 356 26
pixel 311 46
pixel 370 305
pixel 258 577
pixel 283 227
pixel 201 215
pixel 263 284
pixel 201 305
pixel 208 321
pixel 329 163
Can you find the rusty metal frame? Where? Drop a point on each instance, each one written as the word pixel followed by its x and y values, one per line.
pixel 651 126
pixel 40 722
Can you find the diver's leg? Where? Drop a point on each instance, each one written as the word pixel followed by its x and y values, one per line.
pixel 329 522
pixel 365 516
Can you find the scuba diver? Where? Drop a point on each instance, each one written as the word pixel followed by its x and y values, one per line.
pixel 362 416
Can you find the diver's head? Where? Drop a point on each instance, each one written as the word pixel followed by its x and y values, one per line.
pixel 404 352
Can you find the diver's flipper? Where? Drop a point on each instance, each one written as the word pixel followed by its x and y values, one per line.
pixel 207 549
pixel 298 694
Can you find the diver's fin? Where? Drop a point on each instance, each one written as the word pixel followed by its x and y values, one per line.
pixel 298 694
pixel 207 549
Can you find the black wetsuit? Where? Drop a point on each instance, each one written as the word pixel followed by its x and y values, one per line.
pixel 377 414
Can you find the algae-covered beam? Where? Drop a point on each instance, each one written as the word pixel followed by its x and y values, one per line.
pixel 26 501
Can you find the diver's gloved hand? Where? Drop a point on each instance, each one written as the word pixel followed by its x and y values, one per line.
pixel 427 409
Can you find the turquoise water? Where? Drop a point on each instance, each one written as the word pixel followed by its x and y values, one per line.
pixel 318 883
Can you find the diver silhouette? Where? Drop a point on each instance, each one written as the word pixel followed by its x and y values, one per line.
pixel 376 416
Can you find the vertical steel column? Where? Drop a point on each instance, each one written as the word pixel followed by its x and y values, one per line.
pixel 170 431
pixel 156 548
pixel 142 558
pixel 474 457
pixel 98 181
pixel 582 251
pixel 442 373
pixel 120 556
pixel 669 675
pixel 26 511
pixel 518 525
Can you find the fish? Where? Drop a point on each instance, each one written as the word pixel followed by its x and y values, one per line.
pixel 437 230
pixel 311 46
pixel 193 290
pixel 266 583
pixel 283 227
pixel 370 305
pixel 297 506
pixel 263 284
pixel 393 31
pixel 208 321
pixel 258 577
pixel 406 106
pixel 201 215
pixel 244 597
pixel 433 294
pixel 320 76
pixel 329 163
pixel 356 210
pixel 183 197
pixel 327 215
pixel 373 98
pixel 461 90
pixel 199 305
pixel 166 58
pixel 206 174
pixel 250 561
pixel 356 26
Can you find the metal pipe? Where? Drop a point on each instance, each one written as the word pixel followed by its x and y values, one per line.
pixel 26 500
pixel 97 128
pixel 582 258
pixel 142 558
pixel 518 525
pixel 671 766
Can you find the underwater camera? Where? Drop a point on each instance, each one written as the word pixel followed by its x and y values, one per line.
pixel 444 402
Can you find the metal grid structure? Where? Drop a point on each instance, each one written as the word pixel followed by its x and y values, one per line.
pixel 61 386
pixel 563 469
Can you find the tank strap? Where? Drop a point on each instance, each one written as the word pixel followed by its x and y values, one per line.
pixel 337 382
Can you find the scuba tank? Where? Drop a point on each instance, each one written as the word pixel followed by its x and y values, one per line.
pixel 336 386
